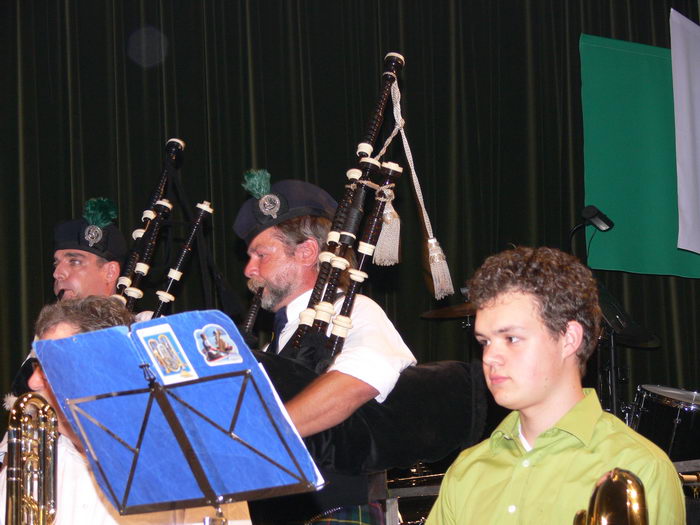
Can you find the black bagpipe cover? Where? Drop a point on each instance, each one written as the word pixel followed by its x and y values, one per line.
pixel 434 409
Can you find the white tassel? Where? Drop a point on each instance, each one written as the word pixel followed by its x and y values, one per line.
pixel 386 252
pixel 439 269
pixel 442 281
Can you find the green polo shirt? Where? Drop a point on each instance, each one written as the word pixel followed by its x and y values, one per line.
pixel 497 482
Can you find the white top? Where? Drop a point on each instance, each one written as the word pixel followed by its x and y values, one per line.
pixel 80 500
pixel 523 441
pixel 373 352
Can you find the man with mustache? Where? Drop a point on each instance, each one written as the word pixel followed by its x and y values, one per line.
pixel 285 230
pixel 538 321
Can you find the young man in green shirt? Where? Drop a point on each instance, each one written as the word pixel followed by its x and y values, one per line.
pixel 538 321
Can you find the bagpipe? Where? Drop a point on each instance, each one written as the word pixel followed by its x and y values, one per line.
pixel 434 408
pixel 145 237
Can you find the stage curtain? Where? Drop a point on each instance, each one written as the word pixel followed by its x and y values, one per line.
pixel 491 97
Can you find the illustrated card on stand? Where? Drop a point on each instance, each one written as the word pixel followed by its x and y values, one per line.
pixel 177 413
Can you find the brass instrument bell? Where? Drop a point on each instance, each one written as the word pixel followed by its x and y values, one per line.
pixel 31 462
pixel 617 500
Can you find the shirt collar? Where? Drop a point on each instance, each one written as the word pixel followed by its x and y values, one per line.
pixel 297 305
pixel 579 421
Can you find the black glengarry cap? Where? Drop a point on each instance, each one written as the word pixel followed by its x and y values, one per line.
pixel 272 205
pixel 95 232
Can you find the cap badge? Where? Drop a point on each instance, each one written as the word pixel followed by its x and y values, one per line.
pixel 270 205
pixel 93 235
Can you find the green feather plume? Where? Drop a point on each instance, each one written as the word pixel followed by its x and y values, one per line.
pixel 257 182
pixel 100 211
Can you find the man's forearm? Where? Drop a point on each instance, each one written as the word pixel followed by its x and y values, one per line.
pixel 328 401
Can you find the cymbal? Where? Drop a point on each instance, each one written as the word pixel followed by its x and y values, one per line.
pixel 457 311
pixel 634 336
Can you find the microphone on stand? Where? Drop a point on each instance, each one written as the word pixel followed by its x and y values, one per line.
pixel 592 215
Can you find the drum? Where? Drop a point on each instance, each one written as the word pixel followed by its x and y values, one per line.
pixel 416 488
pixel 670 417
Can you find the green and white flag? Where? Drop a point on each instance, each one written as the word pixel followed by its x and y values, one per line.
pixel 630 157
pixel 685 56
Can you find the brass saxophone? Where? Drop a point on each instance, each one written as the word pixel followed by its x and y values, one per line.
pixel 618 499
pixel 31 462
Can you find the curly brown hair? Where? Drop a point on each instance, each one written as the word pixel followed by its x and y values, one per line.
pixel 87 314
pixel 563 288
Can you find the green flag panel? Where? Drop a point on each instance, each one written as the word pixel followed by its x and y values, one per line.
pixel 630 157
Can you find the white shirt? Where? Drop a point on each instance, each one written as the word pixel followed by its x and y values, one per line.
pixel 373 352
pixel 80 501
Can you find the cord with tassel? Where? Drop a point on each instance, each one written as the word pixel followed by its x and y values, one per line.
pixel 442 280
pixel 386 252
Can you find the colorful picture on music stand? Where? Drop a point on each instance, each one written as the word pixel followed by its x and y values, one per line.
pixel 166 354
pixel 216 346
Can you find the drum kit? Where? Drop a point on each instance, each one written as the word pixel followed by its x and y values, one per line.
pixel 670 417
pixel 667 416
pixel 664 415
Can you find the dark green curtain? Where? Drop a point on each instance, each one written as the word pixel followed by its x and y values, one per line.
pixel 491 96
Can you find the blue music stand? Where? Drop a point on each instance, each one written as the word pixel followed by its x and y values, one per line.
pixel 176 413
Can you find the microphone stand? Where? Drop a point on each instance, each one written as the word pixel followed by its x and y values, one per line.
pixel 612 375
